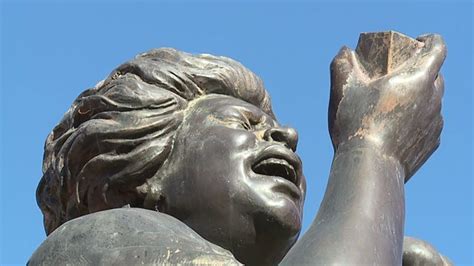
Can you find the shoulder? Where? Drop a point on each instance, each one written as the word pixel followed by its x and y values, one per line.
pixel 127 236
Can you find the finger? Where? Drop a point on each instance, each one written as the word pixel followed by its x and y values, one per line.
pixel 426 146
pixel 433 53
pixel 439 86
pixel 341 69
pixel 341 66
pixel 345 67
pixel 436 96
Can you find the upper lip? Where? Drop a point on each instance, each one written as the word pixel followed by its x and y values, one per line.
pixel 277 160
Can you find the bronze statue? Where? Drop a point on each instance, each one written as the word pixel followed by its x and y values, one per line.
pixel 178 158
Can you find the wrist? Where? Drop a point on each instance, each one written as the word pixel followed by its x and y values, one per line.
pixel 365 143
pixel 370 149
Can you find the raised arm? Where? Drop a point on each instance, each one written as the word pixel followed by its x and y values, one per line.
pixel 383 126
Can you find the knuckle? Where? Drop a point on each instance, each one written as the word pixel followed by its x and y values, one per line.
pixel 440 48
pixel 343 53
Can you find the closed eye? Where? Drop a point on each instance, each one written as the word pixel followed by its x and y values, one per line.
pixel 242 124
pixel 241 117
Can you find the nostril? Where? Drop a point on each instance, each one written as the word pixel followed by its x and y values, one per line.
pixel 279 136
pixel 287 136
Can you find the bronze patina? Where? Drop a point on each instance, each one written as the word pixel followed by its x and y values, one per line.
pixel 179 159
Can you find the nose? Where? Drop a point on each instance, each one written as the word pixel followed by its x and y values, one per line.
pixel 286 135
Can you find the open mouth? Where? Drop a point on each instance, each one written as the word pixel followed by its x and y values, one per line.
pixel 278 162
pixel 276 167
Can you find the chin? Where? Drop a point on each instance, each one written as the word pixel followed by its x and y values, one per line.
pixel 274 236
pixel 284 216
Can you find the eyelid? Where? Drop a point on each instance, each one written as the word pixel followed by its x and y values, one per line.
pixel 245 124
pixel 251 121
pixel 252 118
pixel 246 117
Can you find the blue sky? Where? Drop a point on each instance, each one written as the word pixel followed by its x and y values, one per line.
pixel 52 51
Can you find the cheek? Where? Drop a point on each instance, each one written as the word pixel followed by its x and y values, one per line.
pixel 237 140
pixel 244 141
pixel 226 140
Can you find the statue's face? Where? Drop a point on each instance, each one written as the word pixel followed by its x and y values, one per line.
pixel 233 177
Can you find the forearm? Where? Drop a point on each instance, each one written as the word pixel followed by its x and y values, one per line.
pixel 361 218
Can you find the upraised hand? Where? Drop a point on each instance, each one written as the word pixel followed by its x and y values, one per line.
pixel 398 112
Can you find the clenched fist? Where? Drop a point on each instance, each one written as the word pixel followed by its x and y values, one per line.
pixel 398 111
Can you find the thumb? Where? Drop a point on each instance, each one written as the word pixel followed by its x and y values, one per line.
pixel 433 53
pixel 344 67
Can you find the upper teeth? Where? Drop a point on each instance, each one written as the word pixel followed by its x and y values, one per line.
pixel 289 169
pixel 274 161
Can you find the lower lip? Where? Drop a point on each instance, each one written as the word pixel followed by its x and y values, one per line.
pixel 284 186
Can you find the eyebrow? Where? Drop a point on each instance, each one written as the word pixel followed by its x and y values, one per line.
pixel 261 117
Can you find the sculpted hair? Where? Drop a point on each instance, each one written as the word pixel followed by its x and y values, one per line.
pixel 117 135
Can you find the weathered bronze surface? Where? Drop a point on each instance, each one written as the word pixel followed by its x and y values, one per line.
pixel 178 159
